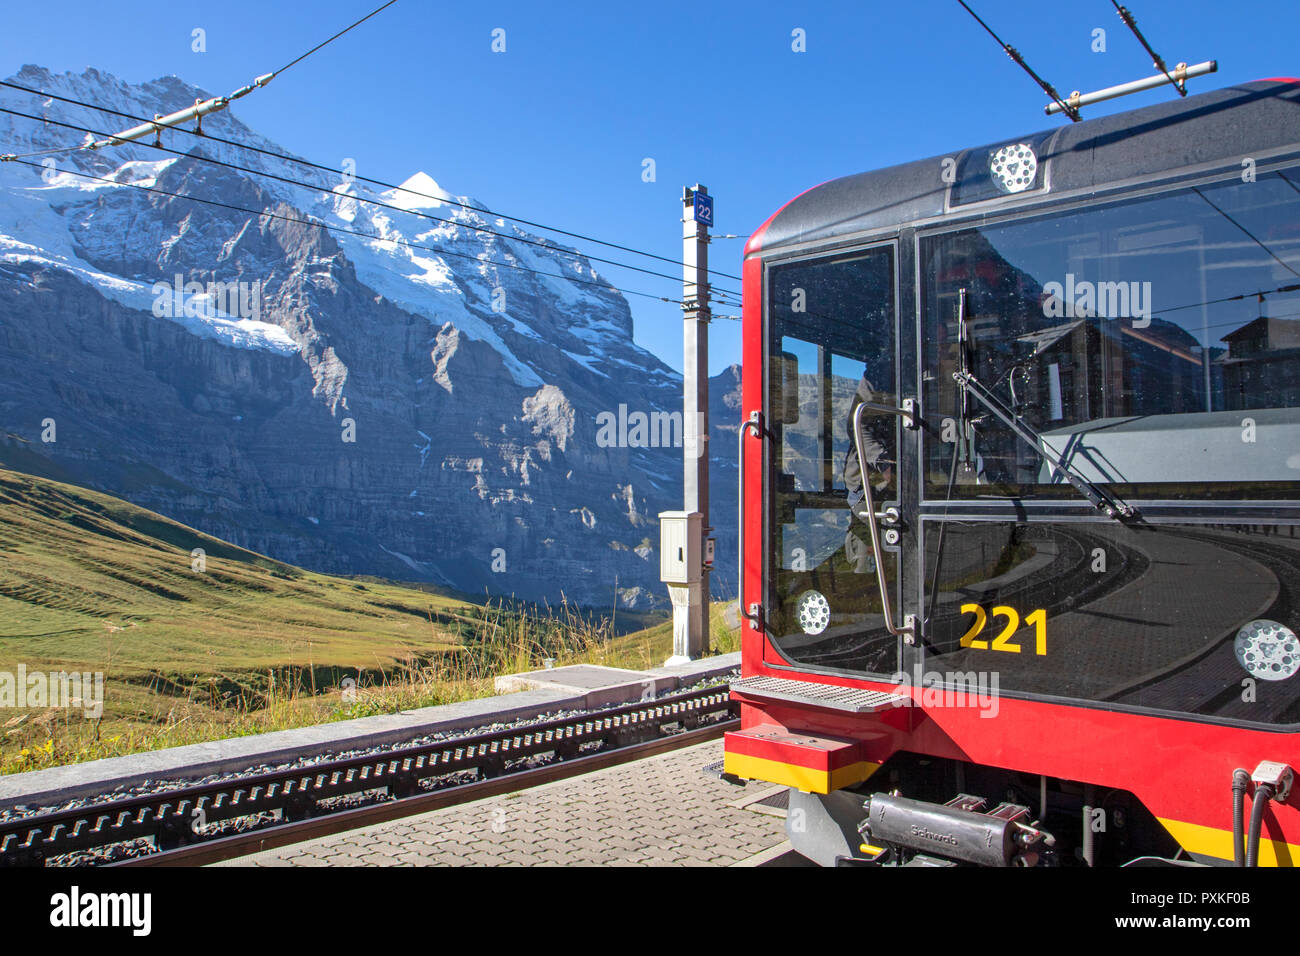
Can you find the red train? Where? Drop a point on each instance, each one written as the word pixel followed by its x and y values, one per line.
pixel 1057 623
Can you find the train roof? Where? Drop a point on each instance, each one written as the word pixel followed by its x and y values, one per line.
pixel 1221 126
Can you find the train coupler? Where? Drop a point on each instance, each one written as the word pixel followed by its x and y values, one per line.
pixel 957 831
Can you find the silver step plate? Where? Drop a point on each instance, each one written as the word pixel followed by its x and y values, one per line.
pixel 855 700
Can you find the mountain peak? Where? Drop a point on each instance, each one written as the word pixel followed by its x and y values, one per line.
pixel 419 192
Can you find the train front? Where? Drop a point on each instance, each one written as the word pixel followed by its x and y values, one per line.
pixel 1020 482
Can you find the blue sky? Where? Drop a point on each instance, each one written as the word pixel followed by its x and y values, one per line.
pixel 556 128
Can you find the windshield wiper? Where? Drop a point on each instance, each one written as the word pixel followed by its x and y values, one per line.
pixel 1102 500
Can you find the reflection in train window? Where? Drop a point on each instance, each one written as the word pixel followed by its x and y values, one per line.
pixel 1151 342
pixel 832 345
pixel 1192 619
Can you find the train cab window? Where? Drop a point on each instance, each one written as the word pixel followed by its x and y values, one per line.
pixel 1152 344
pixel 832 343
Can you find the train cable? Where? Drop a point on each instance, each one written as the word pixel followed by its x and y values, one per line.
pixel 325 43
pixel 1131 22
pixel 365 179
pixel 204 107
pixel 6 157
pixel 374 202
pixel 352 232
pixel 1019 60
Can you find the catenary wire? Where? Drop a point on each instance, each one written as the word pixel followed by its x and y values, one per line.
pixel 374 202
pixel 1156 60
pixel 324 43
pixel 329 228
pixel 1020 61
pixel 365 179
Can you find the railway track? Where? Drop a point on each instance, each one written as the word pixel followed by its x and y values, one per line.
pixel 191 825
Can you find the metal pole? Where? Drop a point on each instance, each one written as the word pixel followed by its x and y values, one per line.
pixel 692 640
pixel 1178 76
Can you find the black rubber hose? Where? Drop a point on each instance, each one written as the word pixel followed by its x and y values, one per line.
pixel 1263 793
pixel 1240 782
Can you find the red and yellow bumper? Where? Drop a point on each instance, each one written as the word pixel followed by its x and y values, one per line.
pixel 814 764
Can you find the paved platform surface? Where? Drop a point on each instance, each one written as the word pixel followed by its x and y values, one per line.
pixel 662 811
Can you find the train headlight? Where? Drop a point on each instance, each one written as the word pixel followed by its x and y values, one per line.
pixel 814 612
pixel 1014 167
pixel 1268 650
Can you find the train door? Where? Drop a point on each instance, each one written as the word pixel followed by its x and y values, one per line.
pixel 833 362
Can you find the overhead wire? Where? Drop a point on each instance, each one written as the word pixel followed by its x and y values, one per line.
pixel 6 157
pixel 325 43
pixel 723 295
pixel 307 221
pixel 1131 22
pixel 1019 60
pixel 375 202
pixel 366 179
pixel 209 106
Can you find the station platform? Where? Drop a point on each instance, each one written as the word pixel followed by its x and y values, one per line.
pixel 520 697
pixel 660 811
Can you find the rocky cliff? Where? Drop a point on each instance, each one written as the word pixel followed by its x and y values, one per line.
pixel 390 396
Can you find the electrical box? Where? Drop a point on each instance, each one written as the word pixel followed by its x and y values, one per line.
pixel 710 549
pixel 680 541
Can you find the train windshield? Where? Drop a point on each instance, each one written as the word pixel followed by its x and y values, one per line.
pixel 832 345
pixel 1153 345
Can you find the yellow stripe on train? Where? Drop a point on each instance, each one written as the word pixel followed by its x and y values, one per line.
pixel 1211 841
pixel 807 779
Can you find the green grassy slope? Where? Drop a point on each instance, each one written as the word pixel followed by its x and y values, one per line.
pixel 248 644
pixel 89 581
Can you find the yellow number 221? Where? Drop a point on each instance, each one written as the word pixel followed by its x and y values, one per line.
pixel 1003 642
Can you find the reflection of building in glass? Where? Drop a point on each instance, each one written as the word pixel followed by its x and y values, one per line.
pixel 1095 368
pixel 1261 368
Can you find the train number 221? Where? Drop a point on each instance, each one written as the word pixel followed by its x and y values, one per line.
pixel 1003 641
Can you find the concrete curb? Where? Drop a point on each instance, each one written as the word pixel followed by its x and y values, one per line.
pixel 602 686
pixel 97 777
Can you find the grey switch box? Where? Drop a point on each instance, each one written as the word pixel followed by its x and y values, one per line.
pixel 680 540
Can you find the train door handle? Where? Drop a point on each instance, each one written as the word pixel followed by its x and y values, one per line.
pixel 908 629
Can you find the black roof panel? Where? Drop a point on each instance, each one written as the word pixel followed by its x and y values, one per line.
pixel 1222 126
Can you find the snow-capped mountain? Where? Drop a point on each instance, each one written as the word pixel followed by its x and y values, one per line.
pixel 390 396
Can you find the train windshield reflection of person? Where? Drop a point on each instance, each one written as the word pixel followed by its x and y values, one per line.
pixel 834 322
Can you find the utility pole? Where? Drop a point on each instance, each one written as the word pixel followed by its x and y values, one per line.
pixel 686 549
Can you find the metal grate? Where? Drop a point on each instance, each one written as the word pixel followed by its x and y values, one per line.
pixel 777 803
pixel 831 696
pixel 774 801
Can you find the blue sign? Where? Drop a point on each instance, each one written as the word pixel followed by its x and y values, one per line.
pixel 703 206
